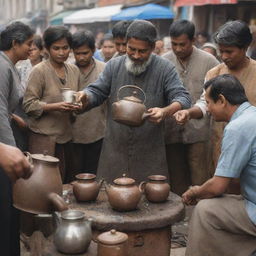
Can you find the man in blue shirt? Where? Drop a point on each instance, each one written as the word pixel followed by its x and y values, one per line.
pixel 225 224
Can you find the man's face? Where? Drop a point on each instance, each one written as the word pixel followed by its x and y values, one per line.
pixel 120 45
pixel 83 55
pixel 182 46
pixel 59 51
pixel 108 49
pixel 139 51
pixel 232 56
pixel 215 108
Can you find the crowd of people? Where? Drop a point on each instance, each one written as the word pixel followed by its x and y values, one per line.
pixel 199 132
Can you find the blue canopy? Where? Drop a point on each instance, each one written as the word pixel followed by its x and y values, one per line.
pixel 144 12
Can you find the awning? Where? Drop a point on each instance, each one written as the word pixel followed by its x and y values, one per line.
pixel 145 12
pixel 58 18
pixel 179 3
pixel 101 14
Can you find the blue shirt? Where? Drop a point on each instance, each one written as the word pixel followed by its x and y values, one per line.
pixel 238 154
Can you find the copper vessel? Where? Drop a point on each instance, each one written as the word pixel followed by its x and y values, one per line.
pixel 112 243
pixel 157 189
pixel 130 110
pixel 41 193
pixel 86 188
pixel 124 194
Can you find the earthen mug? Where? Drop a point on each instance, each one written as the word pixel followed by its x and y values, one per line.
pixel 86 188
pixel 156 189
pixel 112 243
pixel 124 194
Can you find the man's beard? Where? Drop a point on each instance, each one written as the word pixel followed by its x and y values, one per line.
pixel 136 69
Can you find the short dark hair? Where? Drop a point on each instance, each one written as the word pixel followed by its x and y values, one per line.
pixel 83 38
pixel 234 33
pixel 56 33
pixel 180 27
pixel 38 41
pixel 17 32
pixel 142 30
pixel 229 86
pixel 120 28
pixel 106 37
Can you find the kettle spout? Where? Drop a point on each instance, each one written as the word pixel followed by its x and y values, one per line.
pixel 58 202
pixel 145 115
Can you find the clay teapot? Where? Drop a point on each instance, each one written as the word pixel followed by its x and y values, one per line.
pixel 130 110
pixel 86 188
pixel 41 192
pixel 124 194
pixel 112 243
pixel 156 189
pixel 73 234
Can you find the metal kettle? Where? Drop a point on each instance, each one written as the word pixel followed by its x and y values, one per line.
pixel 73 233
pixel 130 110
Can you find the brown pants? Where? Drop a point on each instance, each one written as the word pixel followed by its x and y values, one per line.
pixel 221 227
pixel 44 144
pixel 188 164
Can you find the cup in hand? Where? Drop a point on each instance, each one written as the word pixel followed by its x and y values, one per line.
pixel 68 95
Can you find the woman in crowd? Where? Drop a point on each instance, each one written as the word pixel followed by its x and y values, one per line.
pixel 49 117
pixel 15 43
pixel 24 67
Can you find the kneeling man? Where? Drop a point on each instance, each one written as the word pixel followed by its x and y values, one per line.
pixel 225 224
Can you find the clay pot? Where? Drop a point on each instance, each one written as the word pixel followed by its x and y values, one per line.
pixel 130 110
pixel 86 188
pixel 41 193
pixel 112 243
pixel 156 189
pixel 124 195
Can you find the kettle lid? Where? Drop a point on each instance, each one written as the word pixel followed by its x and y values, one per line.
pixel 112 237
pixel 124 180
pixel 133 99
pixel 45 158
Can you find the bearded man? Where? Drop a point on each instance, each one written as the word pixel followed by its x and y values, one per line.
pixel 137 151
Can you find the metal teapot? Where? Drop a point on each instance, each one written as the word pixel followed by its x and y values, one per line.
pixel 41 193
pixel 130 110
pixel 124 195
pixel 73 233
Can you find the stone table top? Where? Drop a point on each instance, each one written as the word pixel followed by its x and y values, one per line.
pixel 146 216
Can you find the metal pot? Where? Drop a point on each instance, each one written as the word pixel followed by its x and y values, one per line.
pixel 112 243
pixel 86 188
pixel 73 234
pixel 124 195
pixel 41 193
pixel 130 110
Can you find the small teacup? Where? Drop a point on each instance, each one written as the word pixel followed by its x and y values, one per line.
pixel 68 95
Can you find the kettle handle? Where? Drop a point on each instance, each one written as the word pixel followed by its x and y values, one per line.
pixel 29 157
pixel 131 86
pixel 142 186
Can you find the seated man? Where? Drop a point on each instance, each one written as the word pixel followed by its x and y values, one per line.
pixel 226 224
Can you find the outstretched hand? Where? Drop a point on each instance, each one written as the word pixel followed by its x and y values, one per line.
pixel 182 116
